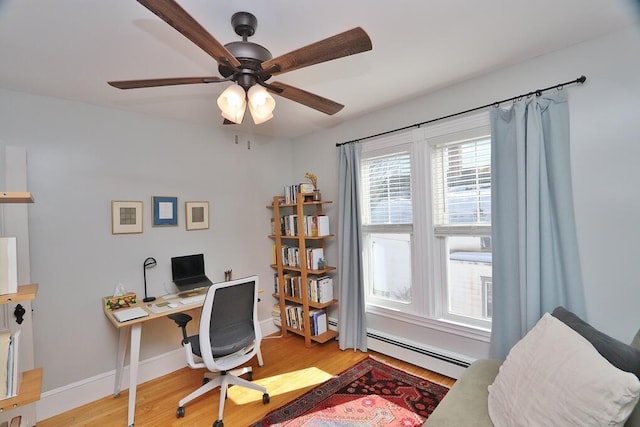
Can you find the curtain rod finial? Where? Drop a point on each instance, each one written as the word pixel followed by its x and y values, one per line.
pixel 581 79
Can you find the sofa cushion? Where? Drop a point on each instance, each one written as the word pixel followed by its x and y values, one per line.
pixel 555 377
pixel 619 354
pixel 466 403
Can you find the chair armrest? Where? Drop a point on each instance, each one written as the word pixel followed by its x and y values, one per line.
pixel 181 320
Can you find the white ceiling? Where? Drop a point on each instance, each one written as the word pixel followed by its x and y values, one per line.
pixel 70 48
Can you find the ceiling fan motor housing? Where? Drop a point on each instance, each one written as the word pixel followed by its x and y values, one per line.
pixel 251 55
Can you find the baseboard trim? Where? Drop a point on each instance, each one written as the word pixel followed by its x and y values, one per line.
pixel 70 396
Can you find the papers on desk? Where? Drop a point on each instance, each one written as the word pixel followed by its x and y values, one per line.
pixel 162 306
pixel 124 315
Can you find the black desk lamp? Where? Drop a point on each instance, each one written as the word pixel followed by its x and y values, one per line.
pixel 149 262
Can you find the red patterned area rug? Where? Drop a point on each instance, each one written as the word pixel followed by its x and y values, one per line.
pixel 370 393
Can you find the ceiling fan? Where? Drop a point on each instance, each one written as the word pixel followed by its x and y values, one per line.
pixel 250 65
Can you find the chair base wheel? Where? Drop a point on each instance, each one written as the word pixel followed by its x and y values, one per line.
pixel 218 423
pixel 265 398
pixel 180 412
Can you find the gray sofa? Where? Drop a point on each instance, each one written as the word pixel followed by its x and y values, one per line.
pixel 466 404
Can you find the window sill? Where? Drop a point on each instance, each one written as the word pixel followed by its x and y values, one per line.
pixel 442 325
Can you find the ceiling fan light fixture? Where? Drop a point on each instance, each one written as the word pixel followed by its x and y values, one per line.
pixel 233 103
pixel 261 104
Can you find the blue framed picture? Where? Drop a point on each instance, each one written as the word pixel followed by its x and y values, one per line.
pixel 165 211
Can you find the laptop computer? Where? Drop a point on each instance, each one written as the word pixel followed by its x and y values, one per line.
pixel 188 273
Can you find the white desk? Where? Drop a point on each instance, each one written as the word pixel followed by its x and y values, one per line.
pixel 133 328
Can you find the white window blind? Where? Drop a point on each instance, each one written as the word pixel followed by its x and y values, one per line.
pixel 462 183
pixel 386 190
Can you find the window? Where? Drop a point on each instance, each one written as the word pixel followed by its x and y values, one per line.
pixel 426 219
pixel 387 221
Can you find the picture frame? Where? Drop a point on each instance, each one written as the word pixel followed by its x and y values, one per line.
pixel 197 215
pixel 164 212
pixel 126 217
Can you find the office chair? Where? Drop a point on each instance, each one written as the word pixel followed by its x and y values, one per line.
pixel 229 336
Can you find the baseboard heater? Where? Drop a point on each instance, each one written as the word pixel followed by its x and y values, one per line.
pixel 421 351
pixel 429 359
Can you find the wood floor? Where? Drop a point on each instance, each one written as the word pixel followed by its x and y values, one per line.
pixel 290 369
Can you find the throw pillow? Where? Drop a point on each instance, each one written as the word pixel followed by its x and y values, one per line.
pixel 555 377
pixel 619 354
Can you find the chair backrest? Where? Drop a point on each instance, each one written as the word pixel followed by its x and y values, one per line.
pixel 229 331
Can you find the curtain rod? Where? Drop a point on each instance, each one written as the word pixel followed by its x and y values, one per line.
pixel 536 92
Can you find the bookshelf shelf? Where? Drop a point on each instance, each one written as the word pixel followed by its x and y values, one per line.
pixel 322 338
pixel 25 293
pixel 297 237
pixel 317 305
pixel 29 390
pixel 15 197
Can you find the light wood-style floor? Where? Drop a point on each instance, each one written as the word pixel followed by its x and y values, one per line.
pixel 289 370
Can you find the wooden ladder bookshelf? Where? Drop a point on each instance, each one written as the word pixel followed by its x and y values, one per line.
pixel 30 388
pixel 301 207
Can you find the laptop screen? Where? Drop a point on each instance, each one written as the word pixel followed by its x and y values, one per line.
pixel 185 267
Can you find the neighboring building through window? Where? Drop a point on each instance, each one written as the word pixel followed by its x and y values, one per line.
pixel 426 217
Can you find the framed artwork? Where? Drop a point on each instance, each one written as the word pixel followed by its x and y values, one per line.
pixel 126 217
pixel 197 215
pixel 164 211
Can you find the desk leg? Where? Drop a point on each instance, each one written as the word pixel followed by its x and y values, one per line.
pixel 123 337
pixel 134 358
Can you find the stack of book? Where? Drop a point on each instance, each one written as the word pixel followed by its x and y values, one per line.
pixel 314 225
pixel 291 193
pixel 291 256
pixel 9 370
pixel 320 289
pixel 315 258
pixel 317 319
pixel 275 313
pixel 292 285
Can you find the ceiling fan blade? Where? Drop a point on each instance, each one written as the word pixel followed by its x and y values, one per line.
pixel 174 15
pixel 135 84
pixel 309 99
pixel 343 44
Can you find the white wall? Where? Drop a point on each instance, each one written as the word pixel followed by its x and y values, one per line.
pixel 81 157
pixel 605 149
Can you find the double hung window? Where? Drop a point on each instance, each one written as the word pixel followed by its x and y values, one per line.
pixel 426 223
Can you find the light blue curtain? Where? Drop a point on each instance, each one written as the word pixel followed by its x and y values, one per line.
pixel 352 324
pixel 536 266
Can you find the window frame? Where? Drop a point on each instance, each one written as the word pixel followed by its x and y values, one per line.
pixel 384 147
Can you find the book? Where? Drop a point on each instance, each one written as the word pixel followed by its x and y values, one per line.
pixel 318 321
pixel 8 265
pixel 13 368
pixel 323 225
pixel 325 289
pixel 315 258
pixel 5 341
pixel 275 313
pixel 316 225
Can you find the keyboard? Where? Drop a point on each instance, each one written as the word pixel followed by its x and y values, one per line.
pixel 193 300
